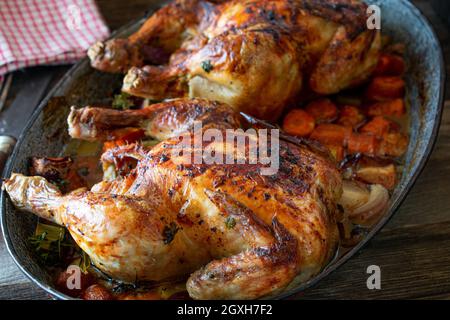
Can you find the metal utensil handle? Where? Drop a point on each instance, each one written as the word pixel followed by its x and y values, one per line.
pixel 7 144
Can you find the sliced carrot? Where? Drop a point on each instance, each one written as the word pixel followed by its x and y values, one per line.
pixel 337 152
pixel 395 108
pixel 363 143
pixel 350 116
pixel 322 110
pixel 113 144
pixel 393 144
pixel 385 88
pixel 331 134
pixel 390 65
pixel 298 123
pixel 378 126
pixel 386 176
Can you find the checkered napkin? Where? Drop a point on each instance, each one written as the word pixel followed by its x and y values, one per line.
pixel 36 32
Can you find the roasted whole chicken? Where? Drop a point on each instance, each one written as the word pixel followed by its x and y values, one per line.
pixel 234 232
pixel 259 56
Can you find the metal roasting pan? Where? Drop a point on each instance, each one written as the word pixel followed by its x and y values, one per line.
pixel 46 131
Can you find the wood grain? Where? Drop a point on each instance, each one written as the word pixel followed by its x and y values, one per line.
pixel 413 250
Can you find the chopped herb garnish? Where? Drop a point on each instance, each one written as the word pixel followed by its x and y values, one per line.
pixel 49 241
pixel 211 275
pixel 169 232
pixel 85 262
pixel 230 222
pixel 38 240
pixel 207 66
pixel 122 101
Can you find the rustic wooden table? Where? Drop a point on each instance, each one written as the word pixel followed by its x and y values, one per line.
pixel 413 250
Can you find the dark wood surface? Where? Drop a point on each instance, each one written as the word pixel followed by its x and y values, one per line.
pixel 413 250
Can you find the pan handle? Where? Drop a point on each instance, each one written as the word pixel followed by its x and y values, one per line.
pixel 7 144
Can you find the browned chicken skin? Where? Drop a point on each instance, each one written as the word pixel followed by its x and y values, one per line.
pixel 238 233
pixel 256 55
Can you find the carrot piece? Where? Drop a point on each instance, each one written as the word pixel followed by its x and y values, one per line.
pixel 390 65
pixel 107 145
pixel 331 134
pixel 298 123
pixel 385 88
pixel 337 152
pixel 386 176
pixel 378 126
pixel 395 108
pixel 362 143
pixel 350 116
pixel 393 144
pixel 322 110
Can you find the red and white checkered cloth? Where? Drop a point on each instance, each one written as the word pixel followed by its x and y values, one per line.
pixel 35 32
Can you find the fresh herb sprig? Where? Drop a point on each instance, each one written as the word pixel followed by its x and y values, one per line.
pixel 230 222
pixel 49 241
pixel 207 66
pixel 169 232
pixel 55 247
pixel 122 101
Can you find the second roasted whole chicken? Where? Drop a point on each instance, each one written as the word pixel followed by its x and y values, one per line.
pixel 259 56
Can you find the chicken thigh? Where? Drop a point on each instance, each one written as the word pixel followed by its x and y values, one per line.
pixel 234 232
pixel 256 55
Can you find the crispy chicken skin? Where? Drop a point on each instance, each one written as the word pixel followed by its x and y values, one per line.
pixel 256 55
pixel 237 233
pixel 160 121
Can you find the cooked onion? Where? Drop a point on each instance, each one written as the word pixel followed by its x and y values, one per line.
pixel 354 196
pixel 369 213
pixel 361 205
